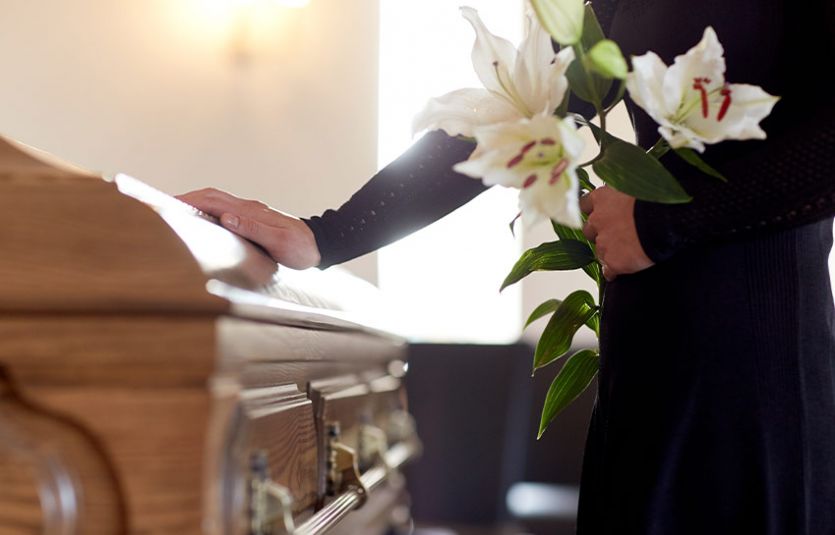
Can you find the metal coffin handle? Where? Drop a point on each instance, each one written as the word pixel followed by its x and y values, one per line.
pixel 271 506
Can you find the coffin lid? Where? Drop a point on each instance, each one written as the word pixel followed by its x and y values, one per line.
pixel 74 242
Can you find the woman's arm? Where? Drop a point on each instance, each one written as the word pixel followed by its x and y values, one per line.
pixel 416 189
pixel 779 184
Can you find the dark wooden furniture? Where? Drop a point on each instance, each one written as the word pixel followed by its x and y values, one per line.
pixel 159 375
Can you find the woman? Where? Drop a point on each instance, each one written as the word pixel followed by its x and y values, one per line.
pixel 716 404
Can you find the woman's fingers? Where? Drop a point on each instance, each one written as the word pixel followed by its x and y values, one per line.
pixel 253 230
pixel 216 202
pixel 590 232
pixel 213 202
pixel 586 203
pixel 286 238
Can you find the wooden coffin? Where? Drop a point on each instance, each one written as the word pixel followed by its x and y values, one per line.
pixel 158 374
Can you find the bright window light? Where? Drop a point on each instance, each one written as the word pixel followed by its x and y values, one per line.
pixel 445 278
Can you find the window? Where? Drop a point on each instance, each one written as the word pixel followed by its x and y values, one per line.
pixel 445 278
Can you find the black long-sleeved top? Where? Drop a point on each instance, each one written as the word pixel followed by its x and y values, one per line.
pixel 715 408
pixel 779 183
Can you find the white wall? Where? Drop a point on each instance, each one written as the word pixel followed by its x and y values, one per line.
pixel 155 88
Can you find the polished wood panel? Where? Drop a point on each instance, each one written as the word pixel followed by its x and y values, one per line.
pixel 61 250
pixel 139 350
pixel 151 362
pixel 55 474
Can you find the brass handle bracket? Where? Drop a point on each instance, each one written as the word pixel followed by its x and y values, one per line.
pixel 343 467
pixel 270 503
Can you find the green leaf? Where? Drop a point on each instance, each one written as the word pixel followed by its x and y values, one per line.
pixel 607 60
pixel 584 178
pixel 594 323
pixel 562 109
pixel 550 306
pixel 585 84
pixel 513 223
pixel 552 256
pixel 545 308
pixel 563 19
pixel 592 31
pixel 690 156
pixel 659 149
pixel 627 168
pixel 573 312
pixel 573 379
pixel 568 233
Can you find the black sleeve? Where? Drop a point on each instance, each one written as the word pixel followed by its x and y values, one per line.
pixel 416 189
pixel 783 182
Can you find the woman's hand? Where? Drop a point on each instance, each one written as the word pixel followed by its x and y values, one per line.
pixel 611 226
pixel 286 238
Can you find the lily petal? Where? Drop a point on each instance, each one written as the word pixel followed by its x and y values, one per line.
pixel 571 141
pixel 498 143
pixel 704 61
pixel 557 81
pixel 525 154
pixel 493 57
pixel 679 136
pixel 645 83
pixel 559 202
pixel 460 112
pixel 691 102
pixel 533 69
pixel 748 105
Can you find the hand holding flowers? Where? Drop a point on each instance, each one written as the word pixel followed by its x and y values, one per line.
pixel 527 138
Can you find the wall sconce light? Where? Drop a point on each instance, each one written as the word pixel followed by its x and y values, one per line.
pixel 249 21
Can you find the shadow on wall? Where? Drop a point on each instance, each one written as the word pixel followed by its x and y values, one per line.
pixel 477 412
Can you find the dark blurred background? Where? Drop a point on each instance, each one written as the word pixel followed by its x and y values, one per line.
pixel 483 471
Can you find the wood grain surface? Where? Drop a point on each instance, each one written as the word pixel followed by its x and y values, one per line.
pixel 131 400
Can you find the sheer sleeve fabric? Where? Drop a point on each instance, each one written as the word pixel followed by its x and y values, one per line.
pixel 416 189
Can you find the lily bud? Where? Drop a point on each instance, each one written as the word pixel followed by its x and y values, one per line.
pixel 562 18
pixel 606 59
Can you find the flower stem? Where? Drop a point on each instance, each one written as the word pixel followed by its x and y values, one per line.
pixel 660 148
pixel 602 142
pixel 601 290
pixel 618 97
pixel 586 184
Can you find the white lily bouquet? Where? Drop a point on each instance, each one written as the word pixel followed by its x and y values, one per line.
pixel 526 138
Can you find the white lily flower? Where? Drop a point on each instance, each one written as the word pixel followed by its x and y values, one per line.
pixel 692 102
pixel 517 83
pixel 539 157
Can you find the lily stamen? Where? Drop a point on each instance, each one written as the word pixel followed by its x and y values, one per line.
pixel 687 106
pixel 557 171
pixel 726 103
pixel 509 90
pixel 516 160
pixel 698 85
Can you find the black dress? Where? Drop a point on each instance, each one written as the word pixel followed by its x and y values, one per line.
pixel 716 398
